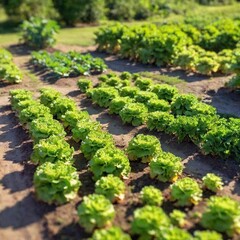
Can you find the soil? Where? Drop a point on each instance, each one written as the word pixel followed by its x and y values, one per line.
pixel 22 217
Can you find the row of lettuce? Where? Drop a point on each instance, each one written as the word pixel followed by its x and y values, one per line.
pixel 8 70
pixel 162 108
pixel 56 180
pixel 215 48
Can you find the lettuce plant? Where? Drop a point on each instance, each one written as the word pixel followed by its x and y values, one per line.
pixel 150 195
pixel 207 235
pixel 21 105
pixel 118 103
pixel 147 221
pixel 95 211
pixel 109 160
pixel 178 218
pixel 104 95
pixel 111 233
pixel 111 187
pixel 160 121
pixel 56 182
pixel 44 127
pixel 134 113
pixel 84 84
pixel 173 233
pixel 71 118
pixel 143 83
pixel 203 108
pixel 164 91
pixel 186 192
pixel 19 95
pixel 125 76
pixel 116 82
pixel 52 149
pixel 83 128
pixel 144 97
pixel 212 182
pixel 166 167
pixel 158 105
pixel 144 147
pixel 129 91
pixel 94 141
pixel 48 96
pixel 222 214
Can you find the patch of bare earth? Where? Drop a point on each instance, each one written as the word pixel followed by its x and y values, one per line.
pixel 23 217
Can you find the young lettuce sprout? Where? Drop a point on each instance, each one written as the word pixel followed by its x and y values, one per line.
pixel 166 167
pixel 186 192
pixel 95 211
pixel 144 147
pixel 111 187
pixel 56 182
pixel 212 182
pixel 151 196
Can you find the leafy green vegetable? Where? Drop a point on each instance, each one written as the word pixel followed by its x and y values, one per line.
pixel 110 160
pixel 164 91
pixel 207 235
pixel 178 218
pixel 158 105
pixel 151 196
pixel 186 191
pixel 118 103
pixel 166 167
pixel 19 95
pixel 144 147
pixel 134 113
pixel 222 214
pixel 173 233
pixel 148 220
pixel 129 91
pixel 84 84
pixel 95 211
pixel 49 95
pixel 111 187
pixel 143 83
pixel 111 233
pixel 144 96
pixel 56 182
pixel 94 141
pixel 52 149
pixel 212 182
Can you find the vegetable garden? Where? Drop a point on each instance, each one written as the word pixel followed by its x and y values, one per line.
pixel 92 153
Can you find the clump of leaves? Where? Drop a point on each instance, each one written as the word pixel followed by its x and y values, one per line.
pixel 173 233
pixel 52 149
pixel 19 95
pixel 160 121
pixel 186 192
pixel 84 84
pixel 207 235
pixel 134 113
pixel 48 96
pixel 144 147
pixel 116 82
pixel 158 105
pixel 118 103
pixel 94 141
pixel 222 214
pixel 166 167
pixel 83 128
pixel 144 96
pixel 125 75
pixel 178 218
pixel 147 220
pixel 143 83
pixel 111 187
pixel 56 182
pixel 129 91
pixel 95 211
pixel 212 182
pixel 110 160
pixel 150 195
pixel 164 91
pixel 110 234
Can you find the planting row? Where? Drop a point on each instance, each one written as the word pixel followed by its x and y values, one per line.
pixel 162 108
pixel 179 45
pixel 68 64
pixel 8 70
pixel 56 180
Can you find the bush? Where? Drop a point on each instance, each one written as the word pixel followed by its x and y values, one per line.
pixel 110 234
pixel 222 214
pixel 147 221
pixel 186 192
pixel 212 182
pixel 144 147
pixel 39 33
pixel 111 187
pixel 110 160
pixel 166 167
pixel 95 211
pixel 56 182
pixel 150 195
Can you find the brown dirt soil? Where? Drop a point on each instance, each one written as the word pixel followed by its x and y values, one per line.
pixel 22 217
